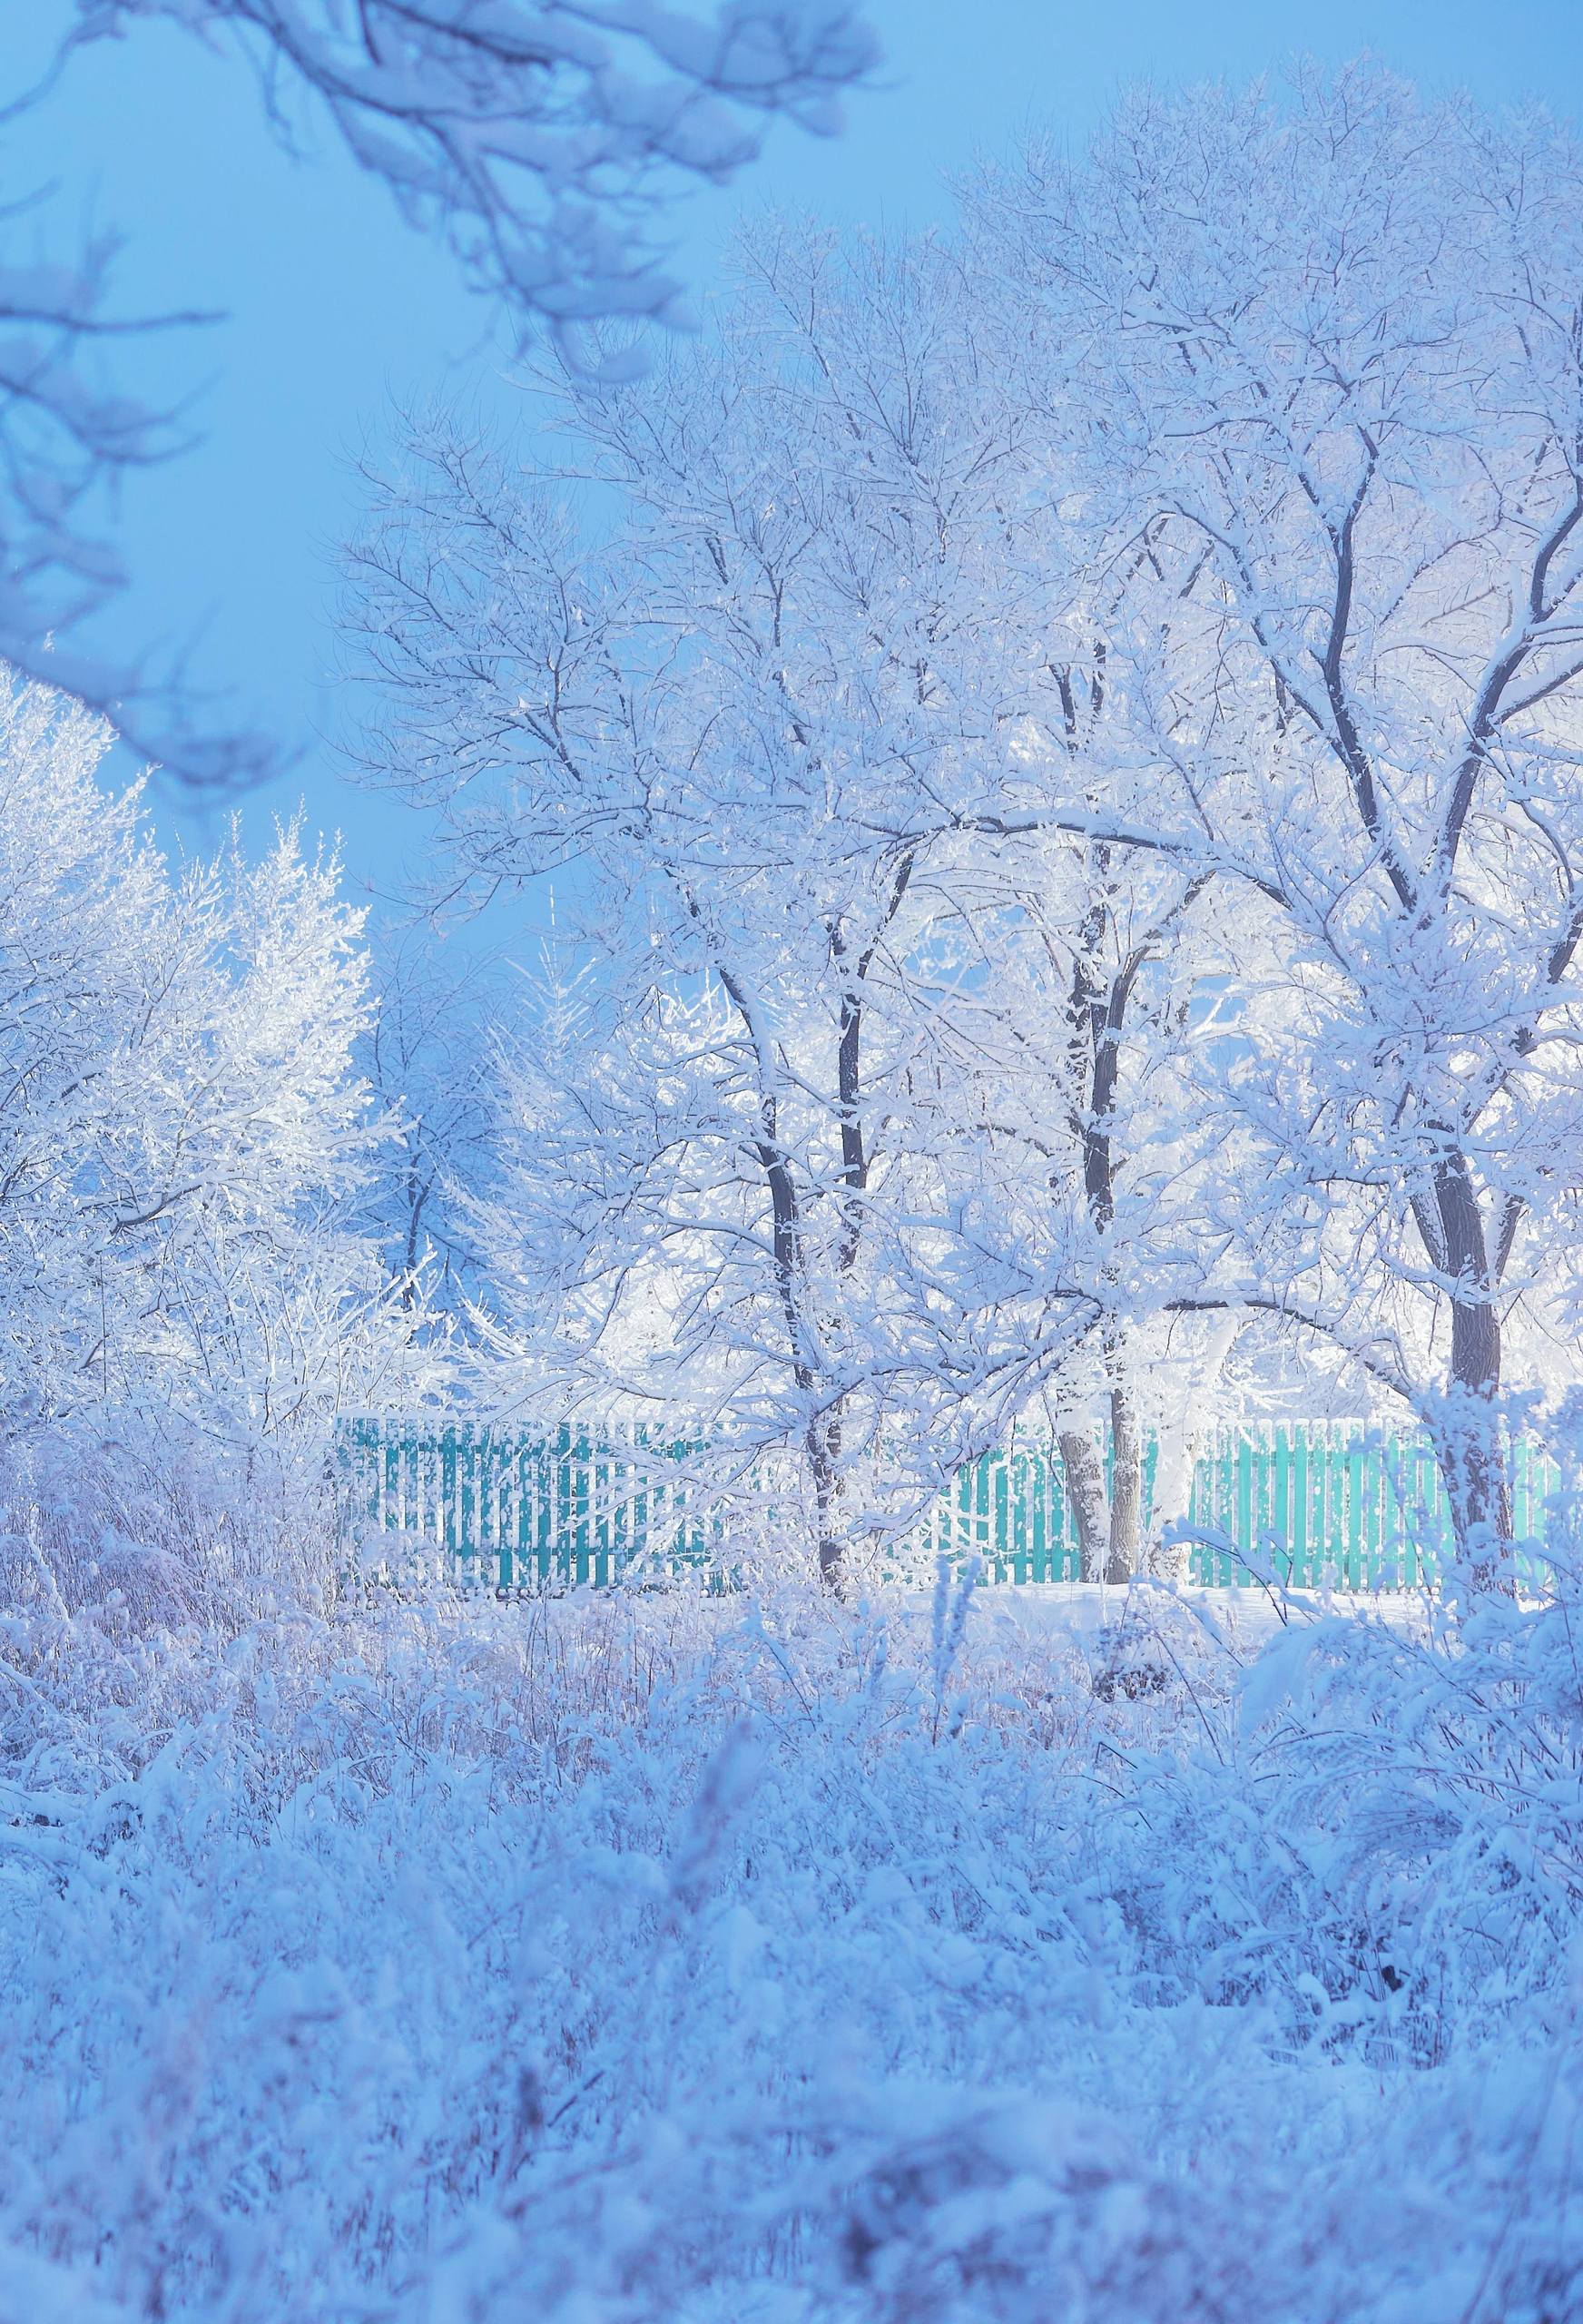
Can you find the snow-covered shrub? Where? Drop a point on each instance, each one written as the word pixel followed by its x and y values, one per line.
pixel 172 1534
pixel 184 1283
pixel 669 1958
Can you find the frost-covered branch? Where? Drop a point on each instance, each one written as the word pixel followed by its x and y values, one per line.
pixel 546 139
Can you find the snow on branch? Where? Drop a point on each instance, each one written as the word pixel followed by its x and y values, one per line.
pixel 546 135
pixel 546 139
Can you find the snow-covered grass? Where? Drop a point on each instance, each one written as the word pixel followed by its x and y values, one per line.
pixel 649 1957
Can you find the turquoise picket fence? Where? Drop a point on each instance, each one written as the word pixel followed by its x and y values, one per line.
pixel 1314 1502
pixel 513 1509
pixel 1334 1502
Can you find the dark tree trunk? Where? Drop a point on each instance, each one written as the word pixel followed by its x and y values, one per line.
pixel 1472 1455
pixel 821 1442
pixel 1467 1435
pixel 1109 1530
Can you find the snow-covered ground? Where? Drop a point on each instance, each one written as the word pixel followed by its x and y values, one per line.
pixel 626 1959
pixel 1245 1618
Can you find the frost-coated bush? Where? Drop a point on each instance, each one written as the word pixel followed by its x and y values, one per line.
pixel 183 1133
pixel 636 1958
pixel 176 1535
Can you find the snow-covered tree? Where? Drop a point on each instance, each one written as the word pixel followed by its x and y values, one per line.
pixel 1078 1098
pixel 1313 373
pixel 183 1135
pixel 760 719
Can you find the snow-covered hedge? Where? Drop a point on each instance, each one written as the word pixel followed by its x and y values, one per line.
pixel 664 1958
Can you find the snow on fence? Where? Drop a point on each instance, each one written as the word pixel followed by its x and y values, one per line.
pixel 1319 1501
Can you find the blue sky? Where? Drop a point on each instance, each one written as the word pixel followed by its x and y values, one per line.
pixel 333 309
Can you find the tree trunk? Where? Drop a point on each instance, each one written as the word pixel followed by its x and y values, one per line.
pixel 1172 1488
pixel 1084 1470
pixel 1127 1487
pixel 822 1444
pixel 1472 1458
pixel 1467 1437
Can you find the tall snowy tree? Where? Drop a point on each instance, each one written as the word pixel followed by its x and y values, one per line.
pixel 763 721
pixel 1314 369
